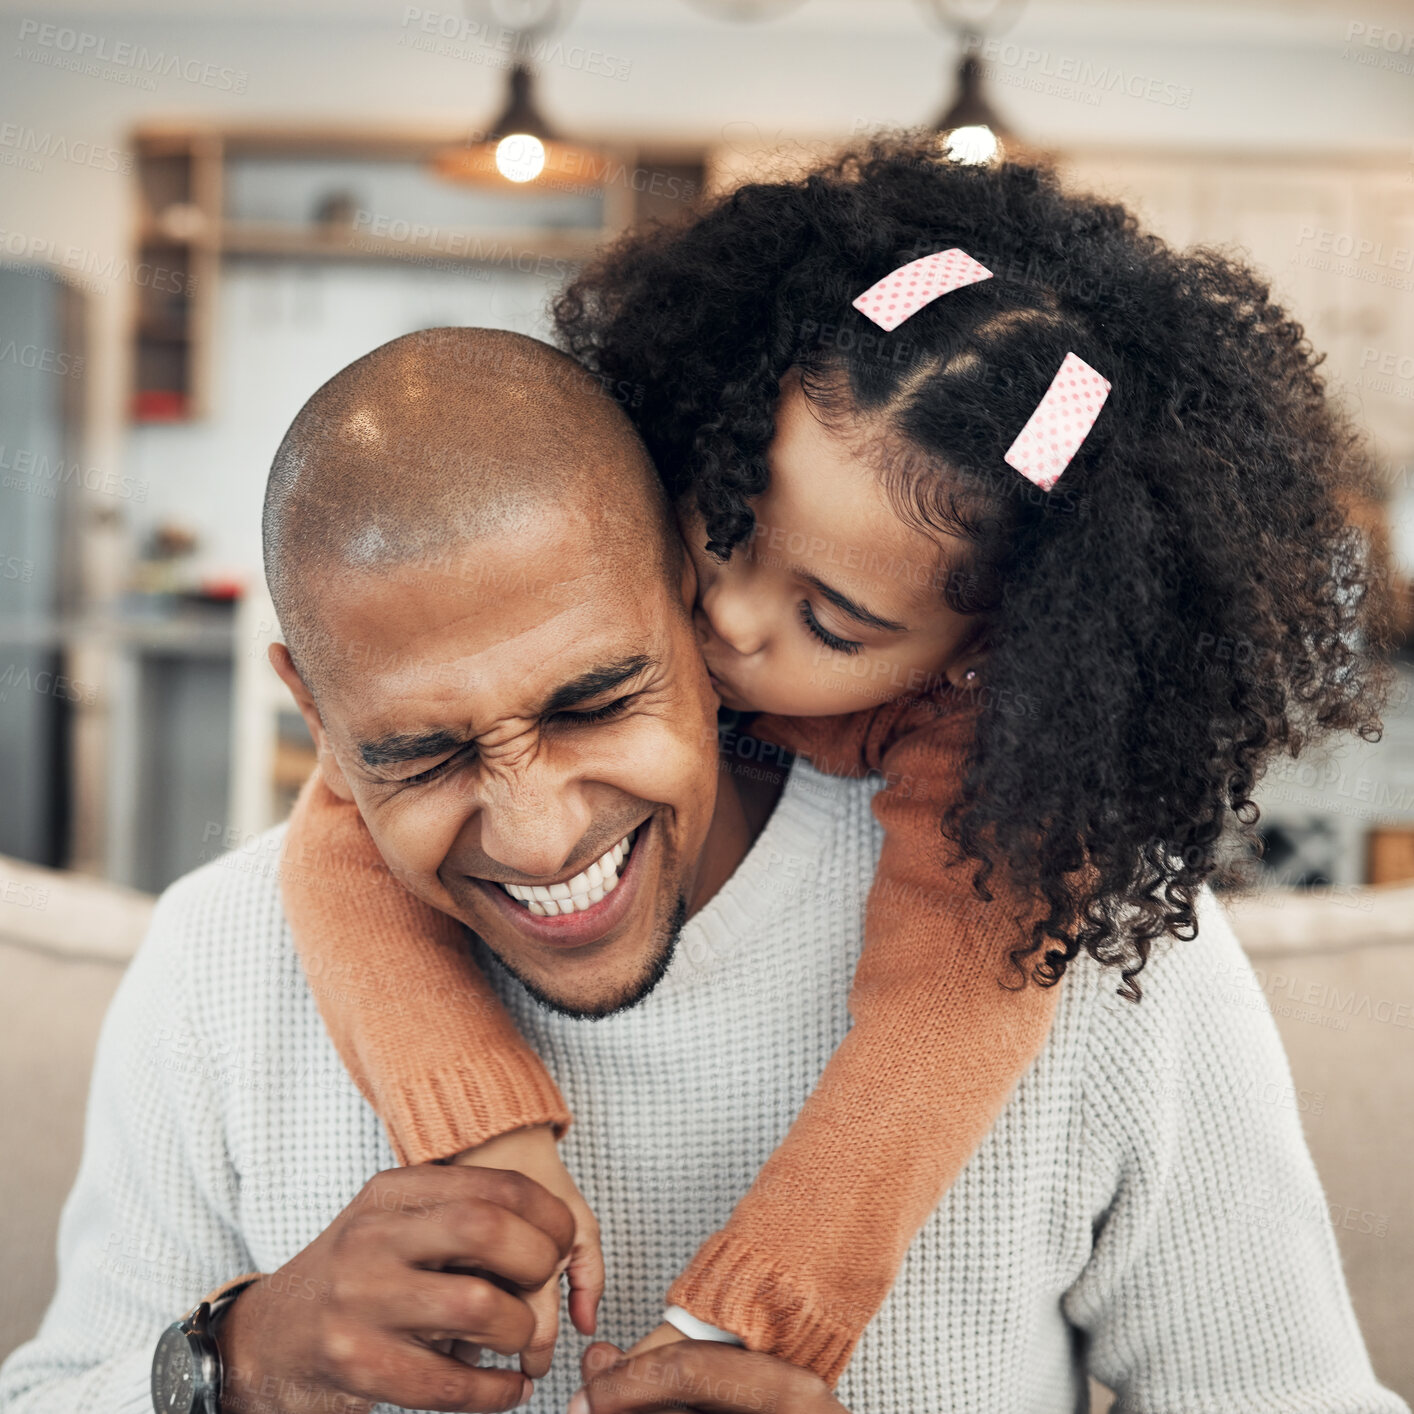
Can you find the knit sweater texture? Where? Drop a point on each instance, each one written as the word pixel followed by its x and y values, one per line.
pixel 1140 1210
pixel 809 1252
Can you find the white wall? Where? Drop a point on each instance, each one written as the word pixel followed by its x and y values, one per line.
pixel 1261 77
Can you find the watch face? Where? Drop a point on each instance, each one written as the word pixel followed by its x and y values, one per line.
pixel 173 1373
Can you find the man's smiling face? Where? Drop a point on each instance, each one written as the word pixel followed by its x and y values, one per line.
pixel 527 710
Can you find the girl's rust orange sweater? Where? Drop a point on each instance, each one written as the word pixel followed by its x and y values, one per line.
pixel 940 1037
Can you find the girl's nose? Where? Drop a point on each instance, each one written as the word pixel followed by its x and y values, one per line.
pixel 732 617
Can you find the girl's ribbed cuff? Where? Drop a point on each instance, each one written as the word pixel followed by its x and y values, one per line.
pixel 451 1110
pixel 732 1286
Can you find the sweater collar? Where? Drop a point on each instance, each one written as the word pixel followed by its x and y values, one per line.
pixel 783 860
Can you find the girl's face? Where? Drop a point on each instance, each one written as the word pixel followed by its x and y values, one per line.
pixel 834 604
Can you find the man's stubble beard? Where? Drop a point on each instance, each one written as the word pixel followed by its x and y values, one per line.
pixel 630 997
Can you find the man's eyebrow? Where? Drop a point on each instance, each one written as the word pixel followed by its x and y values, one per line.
pixel 407 746
pixel 596 681
pixel 849 606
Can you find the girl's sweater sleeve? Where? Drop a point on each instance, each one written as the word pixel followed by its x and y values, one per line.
pixel 937 1045
pixel 414 1021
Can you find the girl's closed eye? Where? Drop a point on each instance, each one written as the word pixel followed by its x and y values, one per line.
pixel 818 631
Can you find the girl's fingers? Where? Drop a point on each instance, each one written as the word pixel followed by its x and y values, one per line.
pixel 586 1276
pixel 538 1351
pixel 703 1376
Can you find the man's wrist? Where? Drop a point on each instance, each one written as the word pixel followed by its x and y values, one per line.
pixel 238 1379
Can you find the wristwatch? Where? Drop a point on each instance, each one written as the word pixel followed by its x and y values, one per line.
pixel 186 1366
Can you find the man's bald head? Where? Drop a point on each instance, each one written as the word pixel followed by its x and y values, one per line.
pixel 440 439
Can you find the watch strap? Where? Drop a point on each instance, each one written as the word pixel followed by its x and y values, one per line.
pixel 223 1295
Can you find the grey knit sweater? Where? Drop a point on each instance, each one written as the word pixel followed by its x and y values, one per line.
pixel 1142 1210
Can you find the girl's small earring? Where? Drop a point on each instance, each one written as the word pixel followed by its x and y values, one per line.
pixel 970 675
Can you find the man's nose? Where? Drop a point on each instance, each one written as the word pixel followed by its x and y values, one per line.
pixel 734 617
pixel 533 824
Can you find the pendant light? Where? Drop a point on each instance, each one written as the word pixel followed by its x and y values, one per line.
pixel 520 150
pixel 971 128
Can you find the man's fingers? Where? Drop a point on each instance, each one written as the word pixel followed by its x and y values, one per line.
pixel 525 1197
pixel 481 1234
pixel 420 1190
pixel 439 1305
pixel 444 1382
pixel 409 1374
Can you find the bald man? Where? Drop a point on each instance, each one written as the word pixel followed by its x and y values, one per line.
pixel 487 618
pixel 487 630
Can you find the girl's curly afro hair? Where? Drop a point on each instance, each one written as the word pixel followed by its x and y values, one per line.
pixel 1190 598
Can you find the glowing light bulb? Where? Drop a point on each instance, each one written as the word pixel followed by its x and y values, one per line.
pixel 973 145
pixel 520 157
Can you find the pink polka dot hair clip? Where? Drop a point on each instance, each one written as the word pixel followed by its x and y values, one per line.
pixel 1061 422
pixel 1068 408
pixel 903 292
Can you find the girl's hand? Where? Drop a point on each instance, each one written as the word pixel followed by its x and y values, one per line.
pixel 661 1334
pixel 534 1153
pixel 703 1376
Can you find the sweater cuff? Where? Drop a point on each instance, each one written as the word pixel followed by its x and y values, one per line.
pixel 732 1286
pixel 445 1112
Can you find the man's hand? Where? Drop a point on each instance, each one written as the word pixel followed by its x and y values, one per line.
pixel 701 1375
pixel 533 1152
pixel 393 1301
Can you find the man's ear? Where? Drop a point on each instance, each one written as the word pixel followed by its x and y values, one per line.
pixel 283 664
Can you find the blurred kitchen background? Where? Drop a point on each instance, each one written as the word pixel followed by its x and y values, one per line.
pixel 208 207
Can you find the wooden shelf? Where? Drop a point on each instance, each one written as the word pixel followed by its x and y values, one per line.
pixel 183 230
pixel 470 247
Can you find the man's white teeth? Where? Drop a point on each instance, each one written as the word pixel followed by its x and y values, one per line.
pixel 579 893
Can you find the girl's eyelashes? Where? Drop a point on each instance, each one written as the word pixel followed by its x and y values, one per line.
pixel 818 631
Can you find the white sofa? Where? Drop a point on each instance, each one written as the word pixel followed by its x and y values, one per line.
pixel 1337 969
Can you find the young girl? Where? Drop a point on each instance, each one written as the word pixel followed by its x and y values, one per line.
pixel 1042 669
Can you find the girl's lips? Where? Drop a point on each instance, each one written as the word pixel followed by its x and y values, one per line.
pixel 730 697
pixel 577 930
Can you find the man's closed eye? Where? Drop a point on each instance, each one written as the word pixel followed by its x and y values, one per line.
pixel 589 717
pixel 593 715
